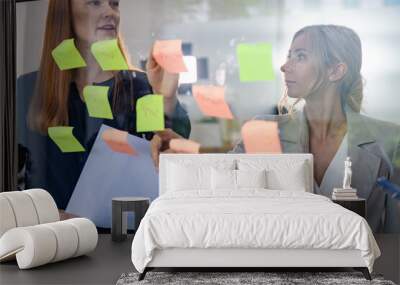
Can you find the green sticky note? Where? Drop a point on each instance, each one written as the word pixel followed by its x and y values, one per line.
pixel 109 56
pixel 255 62
pixel 67 56
pixel 150 113
pixel 96 98
pixel 64 139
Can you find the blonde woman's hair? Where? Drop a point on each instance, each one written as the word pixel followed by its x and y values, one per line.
pixel 333 44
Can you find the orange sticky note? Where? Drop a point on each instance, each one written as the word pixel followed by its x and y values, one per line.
pixel 184 146
pixel 211 101
pixel 118 141
pixel 169 55
pixel 261 137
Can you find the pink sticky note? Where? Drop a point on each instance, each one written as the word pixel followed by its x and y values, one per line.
pixel 184 146
pixel 118 141
pixel 169 55
pixel 261 137
pixel 211 101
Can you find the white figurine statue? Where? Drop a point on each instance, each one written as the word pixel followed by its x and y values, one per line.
pixel 347 174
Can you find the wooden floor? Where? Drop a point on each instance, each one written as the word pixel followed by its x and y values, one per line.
pixel 110 260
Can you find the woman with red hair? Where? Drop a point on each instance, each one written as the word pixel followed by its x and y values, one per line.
pixel 52 97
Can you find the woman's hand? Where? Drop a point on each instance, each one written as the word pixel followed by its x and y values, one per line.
pixel 160 144
pixel 163 83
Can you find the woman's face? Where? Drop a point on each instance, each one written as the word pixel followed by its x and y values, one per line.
pixel 300 70
pixel 95 20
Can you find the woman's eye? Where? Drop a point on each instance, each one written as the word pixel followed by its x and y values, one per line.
pixel 301 56
pixel 94 2
pixel 114 4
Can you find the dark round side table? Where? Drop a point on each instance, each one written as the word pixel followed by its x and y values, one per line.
pixel 120 208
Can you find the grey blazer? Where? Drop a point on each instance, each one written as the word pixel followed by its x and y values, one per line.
pixel 374 148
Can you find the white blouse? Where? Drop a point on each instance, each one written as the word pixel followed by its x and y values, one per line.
pixel 333 177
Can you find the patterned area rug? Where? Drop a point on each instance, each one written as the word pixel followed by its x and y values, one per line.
pixel 229 278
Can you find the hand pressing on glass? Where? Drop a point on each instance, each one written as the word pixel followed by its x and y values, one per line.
pixel 160 144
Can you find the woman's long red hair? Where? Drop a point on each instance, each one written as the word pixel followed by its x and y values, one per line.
pixel 49 105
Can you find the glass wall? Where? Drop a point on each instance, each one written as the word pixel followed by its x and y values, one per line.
pixel 211 32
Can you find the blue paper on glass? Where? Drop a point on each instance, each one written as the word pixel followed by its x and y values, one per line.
pixel 108 174
pixel 393 189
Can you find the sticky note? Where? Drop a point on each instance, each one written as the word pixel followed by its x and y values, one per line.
pixel 67 56
pixel 118 141
pixel 255 62
pixel 211 101
pixel 169 55
pixel 261 137
pixel 150 113
pixel 96 99
pixel 184 146
pixel 109 55
pixel 64 139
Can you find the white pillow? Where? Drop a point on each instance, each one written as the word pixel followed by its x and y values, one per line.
pixel 288 174
pixel 251 178
pixel 195 174
pixel 292 180
pixel 182 177
pixel 223 179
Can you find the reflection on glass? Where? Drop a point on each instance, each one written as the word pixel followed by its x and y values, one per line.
pixel 327 109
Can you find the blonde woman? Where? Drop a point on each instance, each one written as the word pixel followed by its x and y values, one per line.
pixel 323 70
pixel 55 98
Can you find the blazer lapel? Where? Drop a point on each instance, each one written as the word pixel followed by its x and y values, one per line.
pixel 362 144
pixel 365 167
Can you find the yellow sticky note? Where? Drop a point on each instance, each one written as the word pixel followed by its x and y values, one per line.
pixel 255 62
pixel 67 56
pixel 64 139
pixel 150 113
pixel 109 55
pixel 96 99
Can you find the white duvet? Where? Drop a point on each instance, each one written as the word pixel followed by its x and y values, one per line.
pixel 250 219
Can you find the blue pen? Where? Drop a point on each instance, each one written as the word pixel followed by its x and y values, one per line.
pixel 393 189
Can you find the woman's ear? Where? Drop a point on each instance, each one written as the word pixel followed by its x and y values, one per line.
pixel 337 72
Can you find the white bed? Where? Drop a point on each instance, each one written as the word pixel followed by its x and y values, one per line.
pixel 202 220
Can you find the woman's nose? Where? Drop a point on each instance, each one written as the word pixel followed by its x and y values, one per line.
pixel 283 67
pixel 110 11
pixel 286 66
